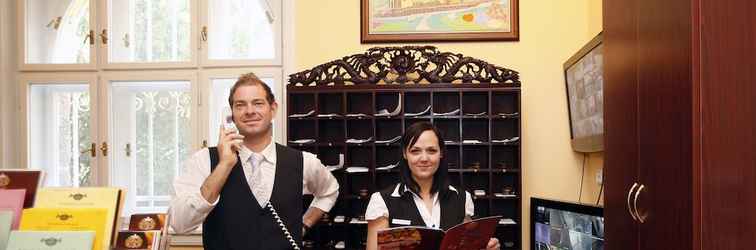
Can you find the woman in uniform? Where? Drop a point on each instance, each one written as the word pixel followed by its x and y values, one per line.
pixel 423 196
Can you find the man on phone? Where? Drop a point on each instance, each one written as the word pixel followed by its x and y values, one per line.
pixel 247 191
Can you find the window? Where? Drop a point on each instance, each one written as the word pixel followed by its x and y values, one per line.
pixel 149 31
pixel 104 120
pixel 150 131
pixel 60 133
pixel 241 32
pixel 61 127
pixel 57 32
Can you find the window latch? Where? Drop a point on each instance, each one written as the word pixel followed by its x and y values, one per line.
pixel 126 40
pixel 204 34
pixel 104 36
pixel 90 38
pixel 104 149
pixel 55 23
pixel 92 150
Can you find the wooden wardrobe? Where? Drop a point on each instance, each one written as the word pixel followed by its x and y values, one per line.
pixel 680 116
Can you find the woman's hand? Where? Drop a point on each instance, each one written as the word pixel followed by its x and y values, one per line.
pixel 373 227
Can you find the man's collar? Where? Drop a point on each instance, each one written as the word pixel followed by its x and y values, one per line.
pixel 268 153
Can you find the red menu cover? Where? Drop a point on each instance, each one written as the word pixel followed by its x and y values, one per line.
pixel 473 234
pixel 22 179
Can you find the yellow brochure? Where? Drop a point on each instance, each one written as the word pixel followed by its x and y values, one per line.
pixel 67 219
pixel 107 198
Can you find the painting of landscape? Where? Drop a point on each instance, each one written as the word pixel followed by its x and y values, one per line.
pixel 483 18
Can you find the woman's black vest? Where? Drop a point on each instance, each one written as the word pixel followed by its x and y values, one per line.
pixel 403 208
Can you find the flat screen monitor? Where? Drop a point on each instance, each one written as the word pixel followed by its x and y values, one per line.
pixel 565 226
pixel 583 74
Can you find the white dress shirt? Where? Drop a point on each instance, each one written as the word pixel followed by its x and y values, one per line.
pixel 377 207
pixel 188 209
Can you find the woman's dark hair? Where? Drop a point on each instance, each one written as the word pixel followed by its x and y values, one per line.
pixel 440 181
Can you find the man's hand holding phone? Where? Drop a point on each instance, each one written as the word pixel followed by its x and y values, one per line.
pixel 229 141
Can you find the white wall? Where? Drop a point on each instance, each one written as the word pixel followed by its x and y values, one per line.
pixel 8 89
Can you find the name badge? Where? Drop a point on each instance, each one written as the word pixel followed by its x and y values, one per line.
pixel 401 222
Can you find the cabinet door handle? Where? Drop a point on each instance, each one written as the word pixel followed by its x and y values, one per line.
pixel 629 194
pixel 641 219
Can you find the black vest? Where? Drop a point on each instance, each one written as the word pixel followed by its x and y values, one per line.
pixel 238 222
pixel 403 207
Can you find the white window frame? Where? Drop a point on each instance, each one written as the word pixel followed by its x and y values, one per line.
pixel 22 50
pixel 99 56
pixel 172 75
pixel 7 112
pixel 25 82
pixel 105 91
pixel 104 59
pixel 276 8
pixel 99 75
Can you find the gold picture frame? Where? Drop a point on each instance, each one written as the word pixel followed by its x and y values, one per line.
pixel 385 21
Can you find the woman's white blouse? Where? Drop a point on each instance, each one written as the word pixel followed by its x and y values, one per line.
pixel 377 207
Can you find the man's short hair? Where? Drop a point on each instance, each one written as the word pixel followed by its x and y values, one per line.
pixel 250 79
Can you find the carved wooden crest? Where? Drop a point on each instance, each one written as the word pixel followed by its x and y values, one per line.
pixel 405 65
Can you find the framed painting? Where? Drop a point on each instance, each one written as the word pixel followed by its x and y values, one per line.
pixel 438 20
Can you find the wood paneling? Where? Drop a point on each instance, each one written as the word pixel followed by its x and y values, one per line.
pixel 680 114
pixel 664 123
pixel 728 105
pixel 620 120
